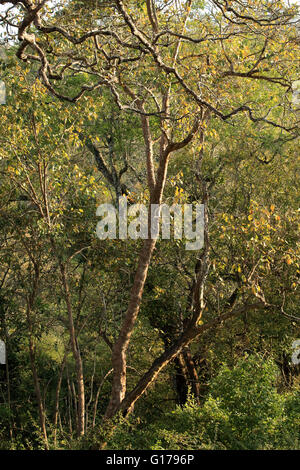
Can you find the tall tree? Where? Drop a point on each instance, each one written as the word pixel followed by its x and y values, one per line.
pixel 178 67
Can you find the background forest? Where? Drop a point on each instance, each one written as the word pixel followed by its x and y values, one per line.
pixel 125 344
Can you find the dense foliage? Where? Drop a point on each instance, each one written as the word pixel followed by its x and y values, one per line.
pixel 129 344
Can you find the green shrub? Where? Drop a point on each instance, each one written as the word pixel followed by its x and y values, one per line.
pixel 242 411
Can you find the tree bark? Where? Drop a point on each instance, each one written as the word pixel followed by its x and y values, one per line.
pixel 186 376
pixel 58 387
pixel 120 347
pixel 76 354
pixel 119 351
pixel 42 415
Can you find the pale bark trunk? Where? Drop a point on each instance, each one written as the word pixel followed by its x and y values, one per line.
pixel 69 404
pixel 76 354
pixel 30 303
pixel 42 415
pixel 4 327
pixel 120 347
pixel 97 397
pixel 57 394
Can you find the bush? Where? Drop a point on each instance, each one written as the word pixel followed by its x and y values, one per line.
pixel 242 411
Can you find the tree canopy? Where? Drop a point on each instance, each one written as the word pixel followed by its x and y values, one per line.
pixel 110 341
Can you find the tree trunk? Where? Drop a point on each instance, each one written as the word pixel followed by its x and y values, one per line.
pixel 186 376
pixel 76 355
pixel 193 379
pixel 181 379
pixel 58 387
pixel 37 388
pixel 120 347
